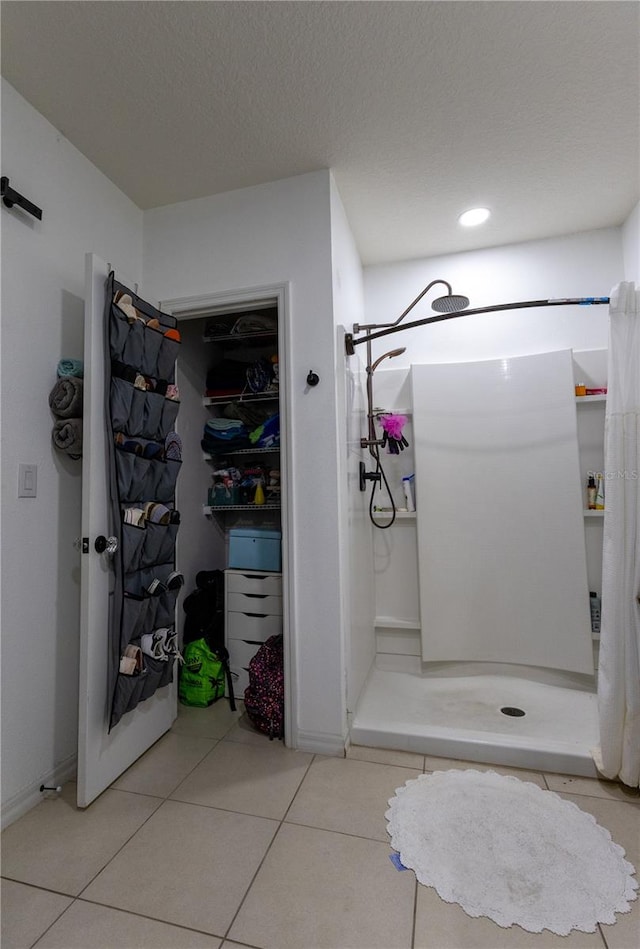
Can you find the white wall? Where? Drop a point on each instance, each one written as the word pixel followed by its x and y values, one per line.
pixel 271 234
pixel 631 245
pixel 587 264
pixel 356 565
pixel 576 265
pixel 42 321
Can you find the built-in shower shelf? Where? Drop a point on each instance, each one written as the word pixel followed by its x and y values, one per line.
pixel 588 513
pixel 400 515
pixel 590 398
pixel 391 622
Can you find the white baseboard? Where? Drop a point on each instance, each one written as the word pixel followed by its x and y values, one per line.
pixel 321 744
pixel 24 800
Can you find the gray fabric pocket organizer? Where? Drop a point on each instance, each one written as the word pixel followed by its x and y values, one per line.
pixel 159 544
pixel 118 332
pixel 133 349
pixel 120 403
pixel 168 419
pixel 153 342
pixel 127 694
pixel 137 584
pixel 139 477
pixel 151 680
pixel 140 419
pixel 166 485
pixel 133 541
pixel 166 358
pixel 135 618
pixel 165 613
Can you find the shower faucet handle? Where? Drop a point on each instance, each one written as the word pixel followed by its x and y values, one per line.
pixel 365 476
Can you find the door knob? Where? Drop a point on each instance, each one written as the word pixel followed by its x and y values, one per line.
pixel 106 545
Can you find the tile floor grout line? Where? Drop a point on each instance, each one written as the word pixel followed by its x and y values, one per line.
pixel 603 937
pixel 33 945
pixel 38 886
pixel 196 765
pixel 415 910
pixel 119 850
pixel 267 851
pixel 133 912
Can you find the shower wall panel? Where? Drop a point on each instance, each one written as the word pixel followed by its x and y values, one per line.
pixel 499 513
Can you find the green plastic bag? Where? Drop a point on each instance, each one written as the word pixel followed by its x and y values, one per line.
pixel 202 675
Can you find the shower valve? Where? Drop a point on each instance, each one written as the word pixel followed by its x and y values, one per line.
pixel 367 476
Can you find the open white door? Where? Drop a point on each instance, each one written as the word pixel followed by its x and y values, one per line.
pixel 102 757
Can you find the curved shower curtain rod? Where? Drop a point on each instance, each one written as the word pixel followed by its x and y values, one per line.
pixel 351 343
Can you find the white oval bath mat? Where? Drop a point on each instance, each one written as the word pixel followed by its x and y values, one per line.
pixel 506 849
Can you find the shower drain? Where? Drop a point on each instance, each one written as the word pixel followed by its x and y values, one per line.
pixel 514 712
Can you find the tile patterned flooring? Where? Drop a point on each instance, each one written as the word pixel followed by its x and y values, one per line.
pixel 218 838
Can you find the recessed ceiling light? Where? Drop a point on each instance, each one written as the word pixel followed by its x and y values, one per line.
pixel 474 217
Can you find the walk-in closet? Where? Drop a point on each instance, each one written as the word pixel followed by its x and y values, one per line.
pixel 230 491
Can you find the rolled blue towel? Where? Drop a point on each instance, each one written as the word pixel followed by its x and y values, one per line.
pixel 71 367
pixel 65 399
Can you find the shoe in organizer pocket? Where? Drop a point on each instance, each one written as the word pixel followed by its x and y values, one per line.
pixel 153 341
pixel 138 477
pixel 133 348
pixel 167 354
pixel 149 582
pixel 136 412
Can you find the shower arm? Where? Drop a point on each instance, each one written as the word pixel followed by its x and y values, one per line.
pixel 386 329
pixel 357 327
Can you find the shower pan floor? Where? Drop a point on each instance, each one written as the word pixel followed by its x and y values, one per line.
pixel 460 717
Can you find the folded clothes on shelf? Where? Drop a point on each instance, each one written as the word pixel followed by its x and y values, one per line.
pixel 255 323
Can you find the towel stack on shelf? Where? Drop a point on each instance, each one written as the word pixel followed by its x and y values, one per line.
pixel 65 401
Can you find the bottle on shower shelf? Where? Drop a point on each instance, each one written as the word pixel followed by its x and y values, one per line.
pixel 592 489
pixel 407 487
pixel 600 493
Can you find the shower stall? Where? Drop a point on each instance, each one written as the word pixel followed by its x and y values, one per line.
pixel 484 646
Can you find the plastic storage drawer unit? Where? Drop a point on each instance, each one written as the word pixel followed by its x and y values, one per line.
pixel 254 548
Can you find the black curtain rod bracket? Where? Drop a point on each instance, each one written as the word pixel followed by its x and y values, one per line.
pixel 11 197
pixel 351 342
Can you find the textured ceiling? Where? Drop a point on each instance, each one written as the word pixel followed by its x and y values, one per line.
pixel 421 109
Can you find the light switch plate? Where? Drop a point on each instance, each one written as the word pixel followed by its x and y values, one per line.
pixel 27 481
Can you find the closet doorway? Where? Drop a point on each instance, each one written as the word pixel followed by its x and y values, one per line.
pixel 229 341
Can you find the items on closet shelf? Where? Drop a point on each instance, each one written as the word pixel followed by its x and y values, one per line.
pixel 252 484
pixel 145 459
pixel 65 402
pixel 231 434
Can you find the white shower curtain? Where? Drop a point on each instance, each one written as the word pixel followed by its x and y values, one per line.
pixel 619 665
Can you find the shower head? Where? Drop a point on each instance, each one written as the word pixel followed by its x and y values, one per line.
pixel 389 355
pixel 450 303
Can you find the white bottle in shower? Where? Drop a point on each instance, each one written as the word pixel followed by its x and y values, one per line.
pixel 407 487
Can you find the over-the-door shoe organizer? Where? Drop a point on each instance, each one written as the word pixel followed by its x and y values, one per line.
pixel 144 460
